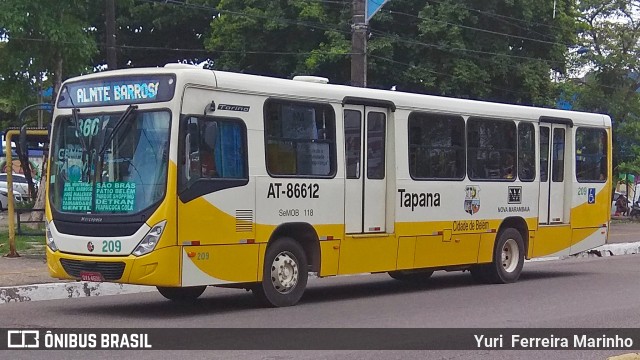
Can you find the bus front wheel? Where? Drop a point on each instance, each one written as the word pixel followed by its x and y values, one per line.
pixel 181 293
pixel 285 274
pixel 508 259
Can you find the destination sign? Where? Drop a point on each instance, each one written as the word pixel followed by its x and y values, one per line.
pixel 122 90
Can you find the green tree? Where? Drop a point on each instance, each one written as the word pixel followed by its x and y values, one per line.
pixel 494 50
pixel 44 42
pixel 152 34
pixel 282 37
pixel 610 50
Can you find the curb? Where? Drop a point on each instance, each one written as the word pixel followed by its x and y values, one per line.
pixel 66 290
pixel 78 289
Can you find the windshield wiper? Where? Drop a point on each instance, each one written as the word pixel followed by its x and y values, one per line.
pixel 130 110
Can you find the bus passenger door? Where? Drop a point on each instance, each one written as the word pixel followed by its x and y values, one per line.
pixel 365 177
pixel 554 233
pixel 543 200
pixel 552 173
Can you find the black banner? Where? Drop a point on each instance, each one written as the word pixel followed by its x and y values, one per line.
pixel 320 339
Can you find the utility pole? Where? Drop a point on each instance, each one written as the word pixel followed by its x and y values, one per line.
pixel 110 13
pixel 359 45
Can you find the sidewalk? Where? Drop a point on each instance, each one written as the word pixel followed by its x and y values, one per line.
pixel 25 270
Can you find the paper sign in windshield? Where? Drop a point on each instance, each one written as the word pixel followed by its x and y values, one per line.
pixel 114 196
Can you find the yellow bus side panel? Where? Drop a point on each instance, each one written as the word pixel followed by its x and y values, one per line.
pixel 329 257
pixel 362 254
pixel 432 251
pixel 158 268
pixel 261 252
pixel 552 239
pixel 406 252
pixel 233 263
pixel 485 250
pixel 593 215
pixel 201 221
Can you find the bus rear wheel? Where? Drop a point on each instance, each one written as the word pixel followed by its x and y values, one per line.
pixel 284 276
pixel 181 294
pixel 508 259
pixel 411 275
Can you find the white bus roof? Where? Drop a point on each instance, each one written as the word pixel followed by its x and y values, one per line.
pixel 318 91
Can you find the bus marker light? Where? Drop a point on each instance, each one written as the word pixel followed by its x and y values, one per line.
pixel 191 254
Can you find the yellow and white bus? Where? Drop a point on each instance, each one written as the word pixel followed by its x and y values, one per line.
pixel 182 178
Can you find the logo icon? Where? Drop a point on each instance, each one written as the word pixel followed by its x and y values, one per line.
pixel 472 199
pixel 515 195
pixel 90 246
pixel 21 339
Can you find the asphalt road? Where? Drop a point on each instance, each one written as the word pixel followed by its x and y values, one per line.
pixel 624 231
pixel 577 293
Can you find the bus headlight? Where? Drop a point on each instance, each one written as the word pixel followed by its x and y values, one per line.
pixel 150 240
pixel 50 243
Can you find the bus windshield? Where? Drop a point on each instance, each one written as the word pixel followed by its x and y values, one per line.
pixel 123 176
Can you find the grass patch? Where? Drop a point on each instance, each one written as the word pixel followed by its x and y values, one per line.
pixel 23 242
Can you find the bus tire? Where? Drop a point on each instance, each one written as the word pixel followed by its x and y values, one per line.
pixel 285 274
pixel 508 258
pixel 181 294
pixel 411 275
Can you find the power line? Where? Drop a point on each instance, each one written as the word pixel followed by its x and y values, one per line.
pixel 442 47
pixel 160 48
pixel 315 25
pixel 477 29
pixel 499 16
pixel 218 11
pixel 445 74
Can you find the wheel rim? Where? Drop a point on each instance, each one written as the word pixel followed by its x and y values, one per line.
pixel 510 255
pixel 284 272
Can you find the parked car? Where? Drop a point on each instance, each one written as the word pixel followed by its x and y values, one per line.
pixel 4 200
pixel 19 183
pixel 616 195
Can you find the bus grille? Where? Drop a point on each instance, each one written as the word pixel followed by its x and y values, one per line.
pixel 109 270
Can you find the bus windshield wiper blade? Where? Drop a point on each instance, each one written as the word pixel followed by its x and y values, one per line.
pixel 130 110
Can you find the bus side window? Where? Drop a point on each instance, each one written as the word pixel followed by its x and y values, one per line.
pixel 192 146
pixel 207 149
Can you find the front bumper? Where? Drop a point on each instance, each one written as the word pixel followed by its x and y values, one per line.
pixel 160 267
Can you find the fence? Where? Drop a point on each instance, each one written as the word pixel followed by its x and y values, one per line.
pixel 20 231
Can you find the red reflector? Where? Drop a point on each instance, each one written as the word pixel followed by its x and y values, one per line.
pixel 330 237
pixel 440 232
pixel 251 241
pixel 195 243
